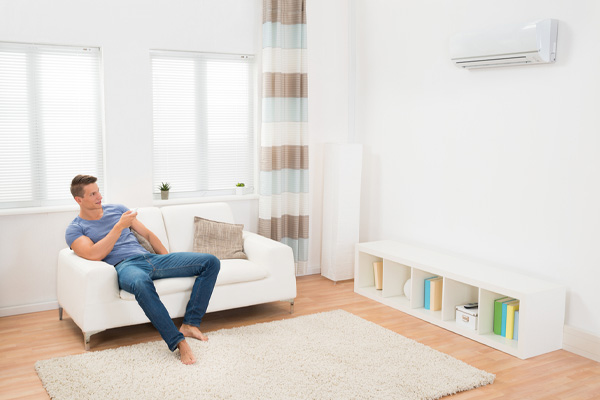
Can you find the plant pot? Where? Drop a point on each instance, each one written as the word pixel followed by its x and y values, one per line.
pixel 240 190
pixel 164 195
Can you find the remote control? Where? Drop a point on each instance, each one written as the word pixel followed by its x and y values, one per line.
pixel 471 305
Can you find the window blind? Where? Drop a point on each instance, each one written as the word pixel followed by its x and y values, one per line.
pixel 203 122
pixel 50 122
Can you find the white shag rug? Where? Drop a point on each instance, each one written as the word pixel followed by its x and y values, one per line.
pixel 330 355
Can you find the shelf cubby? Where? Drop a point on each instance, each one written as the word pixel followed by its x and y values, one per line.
pixel 418 288
pixel 396 276
pixel 542 304
pixel 364 277
pixel 455 294
pixel 486 311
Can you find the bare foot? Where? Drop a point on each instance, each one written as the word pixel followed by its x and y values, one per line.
pixel 192 332
pixel 185 353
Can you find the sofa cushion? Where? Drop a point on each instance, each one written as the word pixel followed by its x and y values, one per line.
pixel 179 221
pixel 220 239
pixel 145 243
pixel 232 271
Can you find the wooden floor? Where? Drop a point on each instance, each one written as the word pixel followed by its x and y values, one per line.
pixel 24 339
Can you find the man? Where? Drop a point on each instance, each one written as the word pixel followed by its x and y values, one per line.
pixel 102 232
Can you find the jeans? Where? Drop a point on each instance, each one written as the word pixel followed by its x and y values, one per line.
pixel 137 273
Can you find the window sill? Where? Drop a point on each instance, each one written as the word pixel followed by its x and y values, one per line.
pixel 39 210
pixel 155 203
pixel 209 199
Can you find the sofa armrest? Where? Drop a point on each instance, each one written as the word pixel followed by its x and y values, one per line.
pixel 277 257
pixel 82 282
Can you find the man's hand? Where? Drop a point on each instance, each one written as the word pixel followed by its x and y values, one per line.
pixel 126 219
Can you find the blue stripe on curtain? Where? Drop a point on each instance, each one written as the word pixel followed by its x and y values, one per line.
pixel 283 181
pixel 284 109
pixel 299 247
pixel 276 34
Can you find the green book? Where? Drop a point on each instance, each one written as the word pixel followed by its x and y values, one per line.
pixel 498 313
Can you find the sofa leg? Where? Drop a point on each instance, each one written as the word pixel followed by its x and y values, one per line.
pixel 60 313
pixel 291 306
pixel 86 339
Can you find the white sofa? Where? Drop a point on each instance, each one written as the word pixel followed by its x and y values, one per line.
pixel 89 290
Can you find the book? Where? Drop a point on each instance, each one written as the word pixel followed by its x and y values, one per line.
pixel 505 315
pixel 378 274
pixel 510 318
pixel 498 313
pixel 428 292
pixel 516 330
pixel 435 293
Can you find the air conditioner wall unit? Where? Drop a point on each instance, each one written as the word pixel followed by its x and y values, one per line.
pixel 522 44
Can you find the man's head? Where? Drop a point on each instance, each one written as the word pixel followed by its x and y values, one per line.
pixel 85 191
pixel 79 183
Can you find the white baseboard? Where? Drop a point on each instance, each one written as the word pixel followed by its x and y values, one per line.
pixel 28 308
pixel 581 343
pixel 312 270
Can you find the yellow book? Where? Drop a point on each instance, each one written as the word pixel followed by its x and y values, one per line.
pixel 435 291
pixel 510 318
pixel 378 273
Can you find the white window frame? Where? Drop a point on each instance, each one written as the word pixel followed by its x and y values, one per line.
pixel 51 122
pixel 194 65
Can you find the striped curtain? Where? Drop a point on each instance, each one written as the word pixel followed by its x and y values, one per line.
pixel 283 204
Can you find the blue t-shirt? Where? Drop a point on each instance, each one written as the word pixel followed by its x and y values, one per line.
pixel 126 246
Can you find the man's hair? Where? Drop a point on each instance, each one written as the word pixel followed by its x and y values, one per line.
pixel 79 182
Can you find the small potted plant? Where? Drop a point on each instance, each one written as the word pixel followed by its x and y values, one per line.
pixel 240 188
pixel 164 188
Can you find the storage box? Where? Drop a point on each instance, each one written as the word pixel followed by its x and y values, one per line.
pixel 467 317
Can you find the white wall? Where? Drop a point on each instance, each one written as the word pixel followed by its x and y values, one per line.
pixel 125 30
pixel 501 164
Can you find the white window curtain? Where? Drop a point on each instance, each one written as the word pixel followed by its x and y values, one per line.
pixel 203 122
pixel 50 122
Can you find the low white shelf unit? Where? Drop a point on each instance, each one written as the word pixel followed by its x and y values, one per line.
pixel 542 303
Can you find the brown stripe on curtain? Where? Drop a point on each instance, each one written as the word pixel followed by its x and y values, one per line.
pixel 290 226
pixel 283 157
pixel 295 11
pixel 277 84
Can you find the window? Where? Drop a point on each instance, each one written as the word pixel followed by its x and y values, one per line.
pixel 50 122
pixel 203 122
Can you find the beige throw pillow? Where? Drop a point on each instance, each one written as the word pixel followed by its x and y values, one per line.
pixel 220 239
